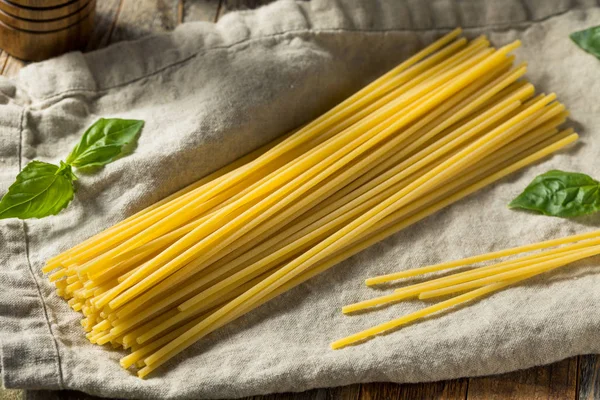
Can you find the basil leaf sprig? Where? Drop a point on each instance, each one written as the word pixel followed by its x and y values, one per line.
pixel 103 142
pixel 588 40
pixel 42 189
pixel 560 194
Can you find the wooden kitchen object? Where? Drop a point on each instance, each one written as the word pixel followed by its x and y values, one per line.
pixel 34 30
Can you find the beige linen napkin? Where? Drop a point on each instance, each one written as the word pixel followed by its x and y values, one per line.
pixel 209 94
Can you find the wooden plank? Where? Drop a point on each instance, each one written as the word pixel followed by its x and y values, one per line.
pixel 308 395
pixel 589 377
pixel 199 10
pixel 11 394
pixel 3 61
pixel 446 390
pixel 351 392
pixel 555 381
pixel 12 66
pixel 140 18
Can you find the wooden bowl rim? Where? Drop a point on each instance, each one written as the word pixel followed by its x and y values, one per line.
pixel 84 5
pixel 36 47
pixel 34 4
pixel 10 4
pixel 30 32
pixel 17 11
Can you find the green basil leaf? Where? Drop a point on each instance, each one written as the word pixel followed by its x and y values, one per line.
pixel 41 189
pixel 588 40
pixel 104 141
pixel 560 194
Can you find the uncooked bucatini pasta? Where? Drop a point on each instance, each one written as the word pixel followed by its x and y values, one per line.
pixel 453 118
pixel 475 283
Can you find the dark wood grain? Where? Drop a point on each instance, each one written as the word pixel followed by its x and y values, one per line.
pixel 589 377
pixel 447 390
pixel 555 381
pixel 351 392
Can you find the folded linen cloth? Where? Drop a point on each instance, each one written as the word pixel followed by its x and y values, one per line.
pixel 210 93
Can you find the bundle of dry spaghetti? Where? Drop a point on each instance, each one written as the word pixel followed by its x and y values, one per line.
pixel 476 283
pixel 448 121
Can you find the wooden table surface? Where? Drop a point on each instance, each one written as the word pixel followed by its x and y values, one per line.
pixel 574 378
